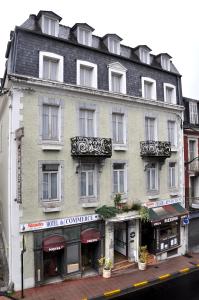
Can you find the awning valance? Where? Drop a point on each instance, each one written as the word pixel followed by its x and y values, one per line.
pixel 53 243
pixel 167 214
pixel 90 235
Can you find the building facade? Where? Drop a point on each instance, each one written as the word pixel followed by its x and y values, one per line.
pixel 84 118
pixel 191 158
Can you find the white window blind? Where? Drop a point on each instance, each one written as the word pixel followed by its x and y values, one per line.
pixel 152 177
pixel 172 175
pixel 148 89
pixel 86 74
pixel 50 126
pixel 49 26
pixel 144 56
pixel 86 122
pixel 50 182
pixel 113 46
pixel 172 132
pixel 50 68
pixel 87 184
pixel 116 82
pixel 118 128
pixel 193 112
pixel 150 129
pixel 84 37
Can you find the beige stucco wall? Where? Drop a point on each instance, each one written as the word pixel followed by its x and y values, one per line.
pixel 32 151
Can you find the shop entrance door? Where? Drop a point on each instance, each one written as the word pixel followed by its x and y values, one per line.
pixel 53 263
pixel 90 254
pixel 121 238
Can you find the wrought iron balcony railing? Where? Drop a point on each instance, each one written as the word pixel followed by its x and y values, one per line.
pixel 91 146
pixel 160 149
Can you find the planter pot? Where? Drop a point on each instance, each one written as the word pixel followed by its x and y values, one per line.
pixel 141 265
pixel 106 273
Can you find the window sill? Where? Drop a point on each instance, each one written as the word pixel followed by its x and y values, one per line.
pixel 120 147
pixel 90 205
pixel 51 147
pixel 174 149
pixel 51 209
pixel 174 194
pixel 153 197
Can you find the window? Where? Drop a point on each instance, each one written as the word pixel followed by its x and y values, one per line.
pixel 118 128
pixel 152 177
pixel 50 190
pixel 144 56
pixel 172 175
pixel 86 74
pixel 50 26
pixel 88 180
pixel 169 93
pixel 117 78
pixel 50 66
pixel 172 133
pixel 50 122
pixel 148 88
pixel 193 112
pixel 87 127
pixel 119 178
pixel 150 129
pixel 113 45
pixel 165 62
pixel 84 36
pixel 192 149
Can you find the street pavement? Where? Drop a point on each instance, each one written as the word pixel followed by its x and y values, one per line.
pixel 93 287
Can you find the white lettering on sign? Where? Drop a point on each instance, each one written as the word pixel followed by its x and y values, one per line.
pixel 91 241
pixel 152 204
pixel 58 222
pixel 170 219
pixel 55 248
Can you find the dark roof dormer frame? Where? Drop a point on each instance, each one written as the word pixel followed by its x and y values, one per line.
pixel 82 25
pixel 138 51
pixel 48 13
pixel 159 58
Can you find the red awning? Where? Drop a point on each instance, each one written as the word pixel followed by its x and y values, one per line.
pixel 90 235
pixel 53 243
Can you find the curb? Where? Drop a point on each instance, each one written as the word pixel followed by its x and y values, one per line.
pixel 143 284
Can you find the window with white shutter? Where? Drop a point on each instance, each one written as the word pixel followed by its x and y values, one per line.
pixel 193 112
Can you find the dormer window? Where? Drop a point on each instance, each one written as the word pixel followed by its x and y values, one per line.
pixel 144 55
pixel 113 45
pixel 49 26
pixel 84 36
pixel 49 22
pixel 165 62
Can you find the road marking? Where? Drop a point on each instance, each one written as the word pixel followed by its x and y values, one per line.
pixel 184 270
pixel 140 283
pixel 110 293
pixel 164 276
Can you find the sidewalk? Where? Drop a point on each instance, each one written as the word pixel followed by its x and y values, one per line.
pixel 92 287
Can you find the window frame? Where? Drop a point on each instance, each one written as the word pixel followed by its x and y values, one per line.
pixel 124 163
pixel 50 138
pixel 112 49
pixel 88 198
pixel 86 110
pixel 173 146
pixel 117 68
pixel 54 202
pixel 153 90
pixel 173 88
pixel 155 128
pixel 144 56
pixel 193 114
pixel 170 175
pixel 84 30
pixel 51 56
pixel 44 17
pixel 89 65
pixel 148 182
pixel 165 63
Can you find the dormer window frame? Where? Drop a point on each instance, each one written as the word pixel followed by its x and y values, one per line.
pixel 110 48
pixel 165 62
pixel 84 31
pixel 144 55
pixel 44 17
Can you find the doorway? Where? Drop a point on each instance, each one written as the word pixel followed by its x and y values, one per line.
pixel 121 239
pixel 53 263
pixel 90 255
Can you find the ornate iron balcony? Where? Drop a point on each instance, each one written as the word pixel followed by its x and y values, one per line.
pixel 91 146
pixel 155 149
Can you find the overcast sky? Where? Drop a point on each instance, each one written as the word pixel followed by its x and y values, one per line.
pixel 163 25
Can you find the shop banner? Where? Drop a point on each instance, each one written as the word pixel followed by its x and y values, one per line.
pixel 58 222
pixel 163 202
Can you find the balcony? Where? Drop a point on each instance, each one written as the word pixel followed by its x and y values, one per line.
pixel 91 147
pixel 159 149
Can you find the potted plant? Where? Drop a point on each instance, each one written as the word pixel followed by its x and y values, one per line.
pixel 142 257
pixel 106 265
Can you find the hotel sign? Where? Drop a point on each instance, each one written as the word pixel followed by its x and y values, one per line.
pixel 163 202
pixel 58 222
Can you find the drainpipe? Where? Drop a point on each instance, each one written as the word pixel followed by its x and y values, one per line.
pixel 22 269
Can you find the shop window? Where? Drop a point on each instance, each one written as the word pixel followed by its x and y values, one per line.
pixel 168 237
pixel 72 258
